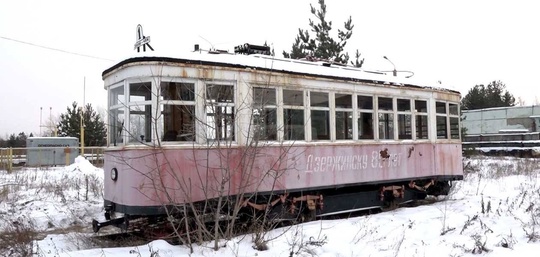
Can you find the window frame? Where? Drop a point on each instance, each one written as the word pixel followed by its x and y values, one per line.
pixel 148 113
pixel 205 127
pixel 161 103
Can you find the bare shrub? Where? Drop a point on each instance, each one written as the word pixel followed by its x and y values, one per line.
pixel 299 245
pixel 151 250
pixel 479 246
pixel 364 229
pixel 507 241
pixel 17 239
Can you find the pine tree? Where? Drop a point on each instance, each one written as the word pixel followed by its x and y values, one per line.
pixel 492 95
pixel 322 45
pixel 94 127
pixel 14 140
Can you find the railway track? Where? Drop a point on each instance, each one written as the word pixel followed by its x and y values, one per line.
pixel 140 235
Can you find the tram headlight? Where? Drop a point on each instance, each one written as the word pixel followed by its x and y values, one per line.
pixel 114 174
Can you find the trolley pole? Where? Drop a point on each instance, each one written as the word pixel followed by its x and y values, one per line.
pixel 394 72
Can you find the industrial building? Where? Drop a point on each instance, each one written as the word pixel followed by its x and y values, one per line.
pixel 503 130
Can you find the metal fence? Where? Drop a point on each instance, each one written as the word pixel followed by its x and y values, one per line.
pixel 11 158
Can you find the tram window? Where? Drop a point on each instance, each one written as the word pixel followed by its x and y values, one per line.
pixel 264 113
pixel 344 126
pixel 441 127
pixel 343 101
pixel 117 96
pixel 116 127
pixel 453 109
pixel 219 93
pixel 365 125
pixel 421 127
pixel 365 117
pixel 404 105
pixel 365 102
pixel 453 113
pixel 140 129
pixel 139 92
pixel 386 126
pixel 420 106
pixel 441 107
pixel 454 128
pixel 293 97
pixel 293 124
pixel 177 91
pixel 318 99
pixel 320 116
pixel 386 104
pixel 220 112
pixel 178 122
pixel 404 126
pixel 264 96
pixel 404 119
pixel 421 119
pixel 178 110
pixel 320 125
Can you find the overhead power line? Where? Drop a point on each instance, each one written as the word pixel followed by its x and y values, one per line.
pixel 56 49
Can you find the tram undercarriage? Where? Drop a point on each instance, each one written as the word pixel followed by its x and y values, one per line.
pixel 277 207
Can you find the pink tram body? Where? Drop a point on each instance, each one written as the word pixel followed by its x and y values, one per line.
pixel 253 128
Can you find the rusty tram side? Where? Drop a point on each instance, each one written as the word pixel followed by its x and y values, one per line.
pixel 289 138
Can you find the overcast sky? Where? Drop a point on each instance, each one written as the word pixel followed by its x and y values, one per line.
pixel 461 43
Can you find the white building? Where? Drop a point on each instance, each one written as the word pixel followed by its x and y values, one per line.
pixel 518 119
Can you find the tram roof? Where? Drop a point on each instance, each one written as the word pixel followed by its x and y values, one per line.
pixel 275 64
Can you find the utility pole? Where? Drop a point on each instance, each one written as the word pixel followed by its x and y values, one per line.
pixel 40 118
pixel 82 118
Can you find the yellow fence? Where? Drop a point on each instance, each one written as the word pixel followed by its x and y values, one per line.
pixel 11 158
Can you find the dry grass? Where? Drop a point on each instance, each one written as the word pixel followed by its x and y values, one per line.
pixel 17 239
pixel 49 191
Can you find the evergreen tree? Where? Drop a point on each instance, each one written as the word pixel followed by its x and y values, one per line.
pixel 492 95
pixel 15 140
pixel 12 140
pixel 94 127
pixel 322 45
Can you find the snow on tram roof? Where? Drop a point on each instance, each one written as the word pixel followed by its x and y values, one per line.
pixel 266 62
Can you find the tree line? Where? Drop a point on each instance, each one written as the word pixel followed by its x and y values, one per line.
pixel 69 125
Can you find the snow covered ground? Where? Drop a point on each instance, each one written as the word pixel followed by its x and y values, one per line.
pixel 495 211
